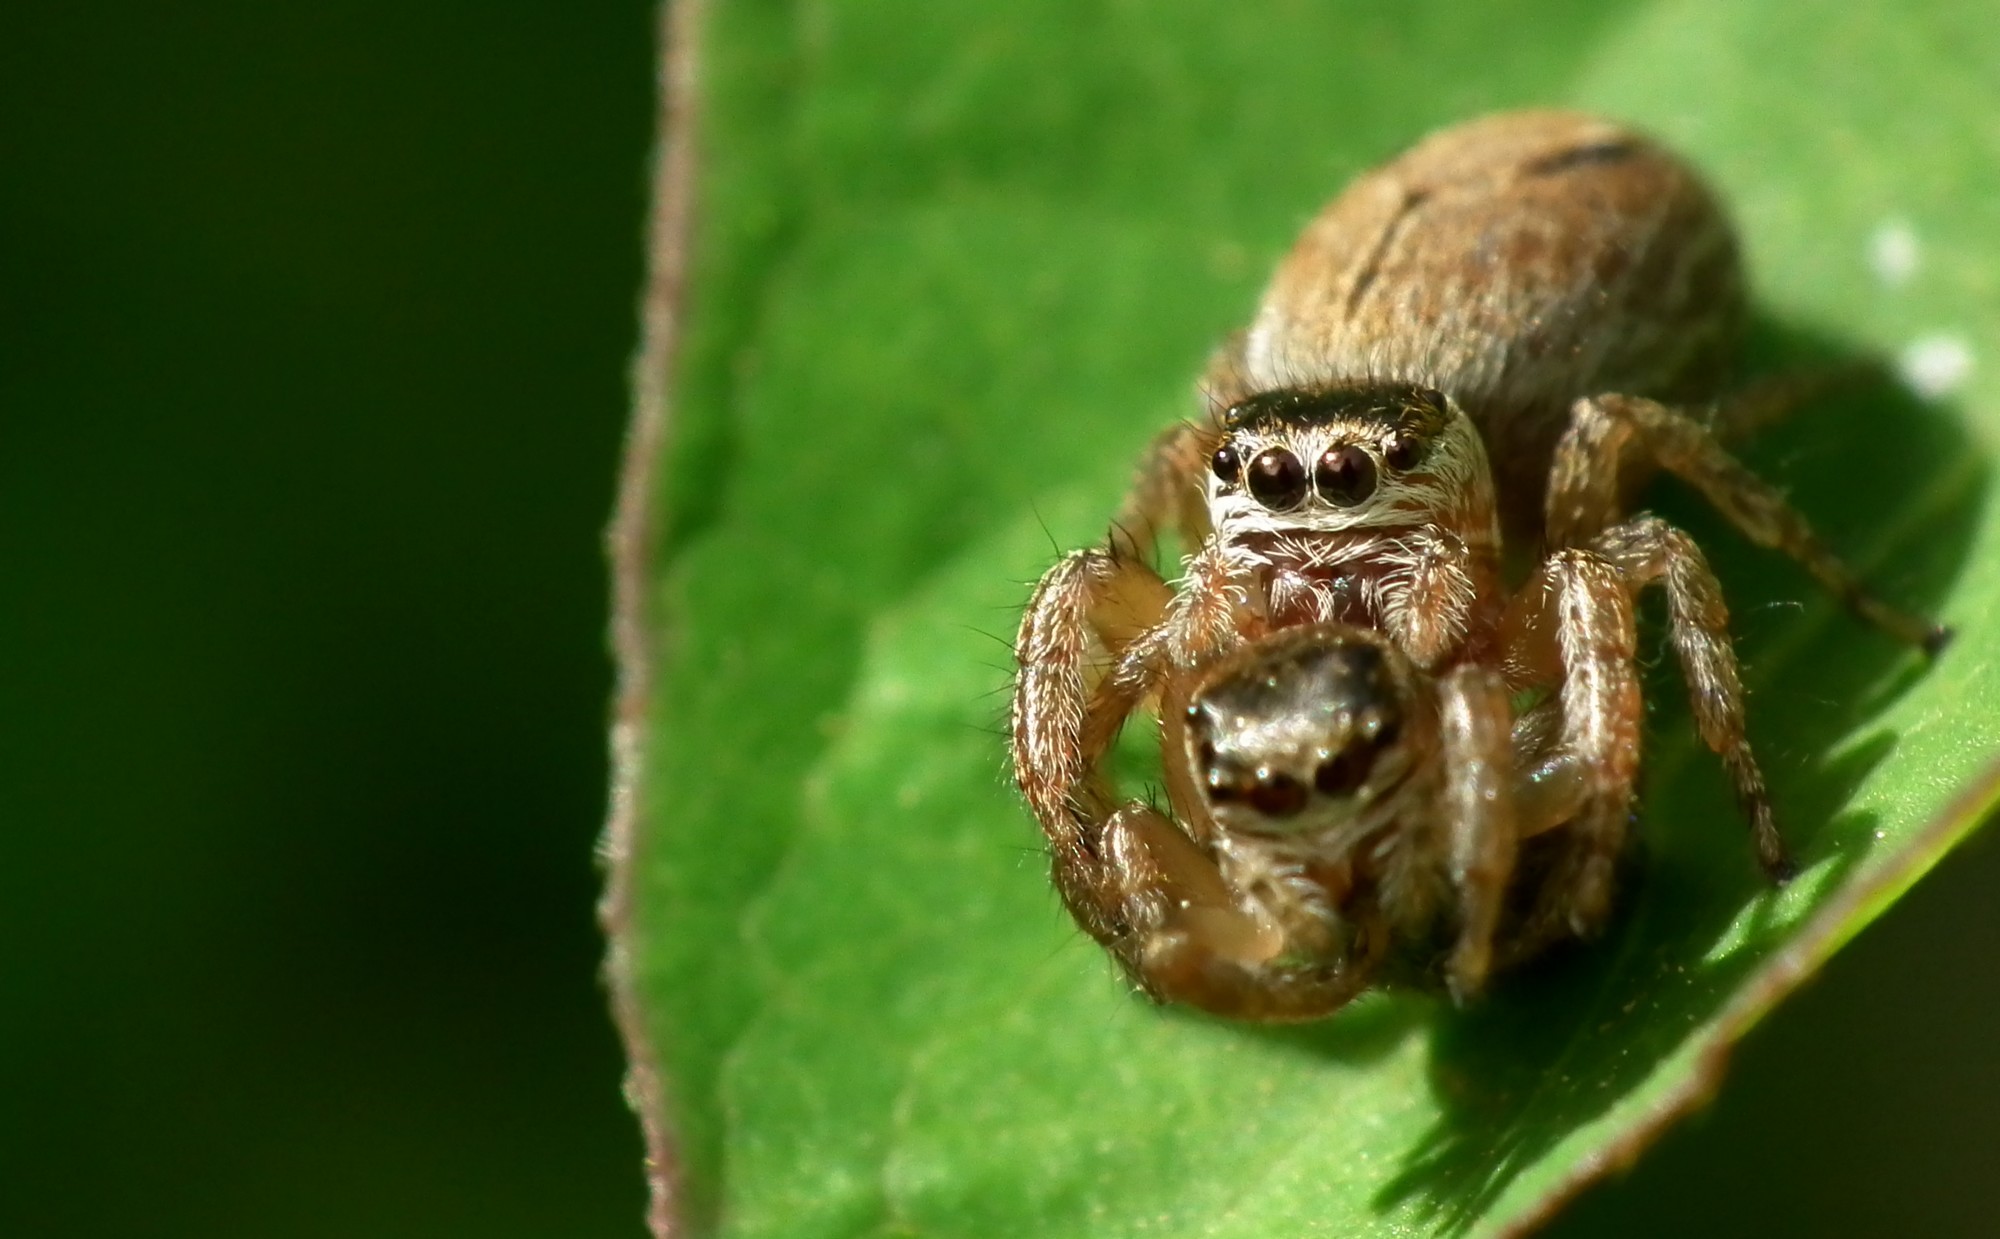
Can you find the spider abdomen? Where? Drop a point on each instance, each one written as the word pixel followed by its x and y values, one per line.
pixel 1517 262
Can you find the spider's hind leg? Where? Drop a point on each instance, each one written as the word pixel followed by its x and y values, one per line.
pixel 1584 498
pixel 1649 551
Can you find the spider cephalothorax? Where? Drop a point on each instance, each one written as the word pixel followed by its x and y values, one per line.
pixel 1364 502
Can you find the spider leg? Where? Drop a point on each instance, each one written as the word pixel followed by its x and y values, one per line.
pixel 1091 605
pixel 1767 401
pixel 1167 492
pixel 1190 939
pixel 1476 726
pixel 1434 600
pixel 1102 634
pixel 1649 551
pixel 1583 498
pixel 1572 625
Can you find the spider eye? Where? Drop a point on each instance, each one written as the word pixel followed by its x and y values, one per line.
pixel 1345 476
pixel 1277 795
pixel 1404 453
pixel 1343 773
pixel 1277 479
pixel 1387 732
pixel 1228 468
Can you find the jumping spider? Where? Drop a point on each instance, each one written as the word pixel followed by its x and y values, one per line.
pixel 1501 328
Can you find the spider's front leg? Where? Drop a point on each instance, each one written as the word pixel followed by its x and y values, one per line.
pixel 1133 878
pixel 1190 938
pixel 1478 804
pixel 1584 498
pixel 1102 635
pixel 1091 606
pixel 1572 626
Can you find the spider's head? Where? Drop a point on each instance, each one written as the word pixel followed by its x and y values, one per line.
pixel 1363 455
pixel 1308 730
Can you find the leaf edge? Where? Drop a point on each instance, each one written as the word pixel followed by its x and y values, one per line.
pixel 1837 921
pixel 629 545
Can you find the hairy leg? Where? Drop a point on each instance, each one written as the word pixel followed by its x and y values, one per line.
pixel 1432 601
pixel 1584 500
pixel 1189 939
pixel 1088 608
pixel 1101 636
pixel 1478 805
pixel 1167 492
pixel 1168 489
pixel 1768 401
pixel 1649 551
pixel 1572 626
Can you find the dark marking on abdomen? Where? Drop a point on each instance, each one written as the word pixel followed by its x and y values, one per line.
pixel 1412 199
pixel 1615 151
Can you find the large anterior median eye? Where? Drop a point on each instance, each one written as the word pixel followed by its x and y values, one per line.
pixel 1345 476
pixel 1277 479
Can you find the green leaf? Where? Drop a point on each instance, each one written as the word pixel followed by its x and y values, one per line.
pixel 952 265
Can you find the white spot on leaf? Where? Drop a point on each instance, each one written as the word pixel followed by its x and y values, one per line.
pixel 1936 365
pixel 1893 252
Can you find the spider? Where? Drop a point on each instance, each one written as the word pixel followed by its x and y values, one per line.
pixel 1499 329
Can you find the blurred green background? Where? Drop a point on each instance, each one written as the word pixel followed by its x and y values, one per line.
pixel 312 361
pixel 313 332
